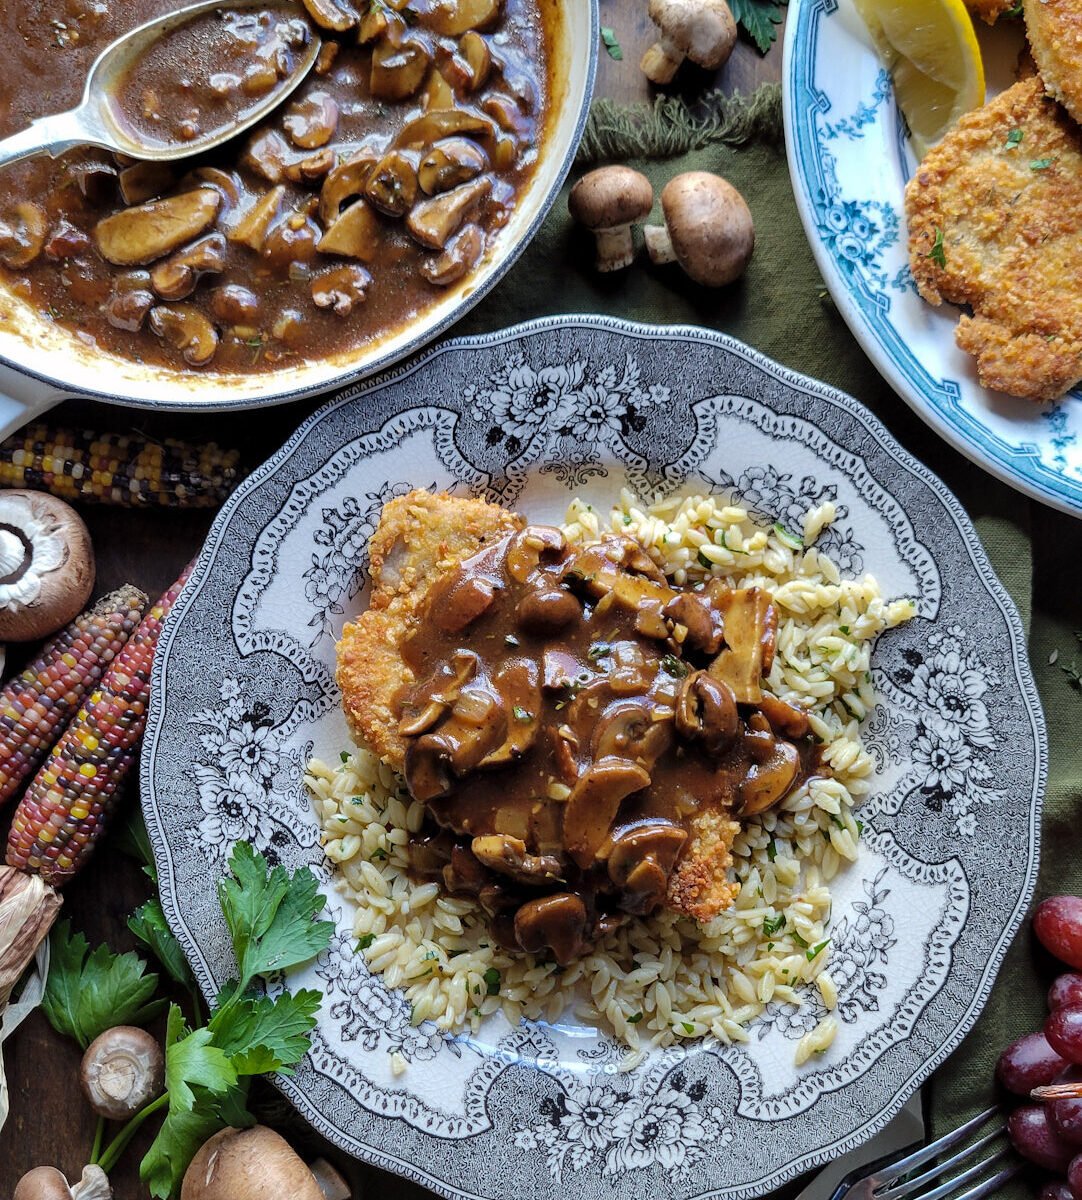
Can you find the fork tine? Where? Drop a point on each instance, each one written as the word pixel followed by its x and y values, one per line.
pixel 949 1185
pixel 991 1186
pixel 891 1171
pixel 897 1190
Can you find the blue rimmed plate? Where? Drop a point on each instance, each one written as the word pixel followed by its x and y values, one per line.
pixel 849 161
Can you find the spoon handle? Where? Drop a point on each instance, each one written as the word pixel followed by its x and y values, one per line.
pixel 50 135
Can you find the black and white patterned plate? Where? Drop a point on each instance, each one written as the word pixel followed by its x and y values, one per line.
pixel 244 693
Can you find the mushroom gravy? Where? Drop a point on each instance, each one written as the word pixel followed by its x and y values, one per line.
pixel 381 182
pixel 573 714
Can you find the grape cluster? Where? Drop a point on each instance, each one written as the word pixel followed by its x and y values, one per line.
pixel 1050 1134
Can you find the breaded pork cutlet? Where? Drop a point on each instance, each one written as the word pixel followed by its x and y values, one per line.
pixel 420 537
pixel 1054 28
pixel 995 222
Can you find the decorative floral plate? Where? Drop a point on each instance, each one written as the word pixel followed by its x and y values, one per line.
pixel 244 693
pixel 849 160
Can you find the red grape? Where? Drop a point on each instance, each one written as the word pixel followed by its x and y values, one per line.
pixel 1063 1029
pixel 1028 1063
pixel 1034 1138
pixel 1057 1189
pixel 1067 989
pixel 1058 924
pixel 1074 1177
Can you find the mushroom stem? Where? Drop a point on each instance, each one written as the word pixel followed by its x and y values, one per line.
pixel 14 555
pixel 661 62
pixel 658 244
pixel 615 249
pixel 331 1183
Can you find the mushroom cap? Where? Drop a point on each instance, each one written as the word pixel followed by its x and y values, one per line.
pixel 46 565
pixel 248 1164
pixel 122 1069
pixel 711 227
pixel 703 30
pixel 42 1183
pixel 611 196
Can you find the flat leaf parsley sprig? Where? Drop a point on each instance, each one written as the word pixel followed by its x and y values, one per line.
pixel 273 923
pixel 760 18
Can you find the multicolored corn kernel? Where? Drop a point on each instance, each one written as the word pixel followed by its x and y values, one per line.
pixel 118 468
pixel 70 800
pixel 36 705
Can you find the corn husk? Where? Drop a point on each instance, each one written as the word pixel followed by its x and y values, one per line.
pixel 28 908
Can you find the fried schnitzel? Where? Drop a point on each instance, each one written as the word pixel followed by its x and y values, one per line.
pixel 421 538
pixel 995 222
pixel 1054 28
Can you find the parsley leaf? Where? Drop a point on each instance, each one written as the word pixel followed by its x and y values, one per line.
pixel 938 254
pixel 179 1138
pixel 149 926
pixel 191 1059
pixel 773 925
pixel 608 39
pixel 1041 164
pixel 492 981
pixel 259 1034
pixel 760 18
pixel 89 993
pixel 1014 138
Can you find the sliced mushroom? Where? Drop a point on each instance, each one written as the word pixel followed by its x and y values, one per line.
pixel 340 288
pixel 706 710
pixel 527 548
pixel 438 123
pixel 464 875
pixel 429 700
pixel 507 855
pixel 547 610
pixel 556 923
pixel 507 115
pixel 438 94
pixel 225 181
pixel 392 185
pixel 785 719
pixel 474 50
pixel 705 628
pixel 459 598
pixel 130 302
pixel 449 163
pixel 311 120
pixel 751 623
pixel 144 180
pixel 290 244
pixel 22 235
pixel 345 182
pixel 594 802
pixel 640 860
pixel 375 22
pixel 337 15
pixel 518 685
pixel 433 222
pixel 355 233
pixel 176 277
pixel 234 304
pixel 96 178
pixel 475 726
pixel 636 729
pixel 141 235
pixel 252 225
pixel 460 256
pixel 450 18
pixel 768 781
pixel 188 330
pixel 398 70
pixel 312 167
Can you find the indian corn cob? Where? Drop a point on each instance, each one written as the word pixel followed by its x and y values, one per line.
pixel 118 468
pixel 73 796
pixel 36 705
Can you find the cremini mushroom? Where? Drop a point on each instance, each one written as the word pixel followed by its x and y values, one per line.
pixel 354 233
pixel 450 18
pixel 474 51
pixel 46 565
pixel 22 234
pixel 251 227
pixel 143 181
pixel 398 70
pixel 708 229
pixel 439 123
pixel 702 30
pixel 392 185
pixel 608 202
pixel 594 802
pixel 640 860
pixel 556 923
pixel 185 327
pixel 706 710
pixel 345 182
pixel 450 162
pixel 257 1164
pixel 175 277
pixel 459 256
pixel 433 222
pixel 508 855
pixel 122 1070
pixel 311 120
pixel 769 779
pixel 139 235
pixel 312 167
pixel 340 288
pixel 338 15
pixel 130 301
pixel 234 304
pixel 704 630
pixel 751 624
pixel 47 1183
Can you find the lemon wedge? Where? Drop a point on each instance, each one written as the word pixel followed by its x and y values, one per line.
pixel 931 52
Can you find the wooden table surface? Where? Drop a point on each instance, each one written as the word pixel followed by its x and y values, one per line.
pixel 49 1122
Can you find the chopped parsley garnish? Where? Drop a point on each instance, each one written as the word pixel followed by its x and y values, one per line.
pixel 522 714
pixel 688 1027
pixel 365 940
pixel 799 940
pixel 938 254
pixel 379 854
pixel 344 756
pixel 815 951
pixel 610 43
pixel 598 650
pixel 704 561
pixel 788 537
pixel 635 1019
pixel 671 665
pixel 773 925
pixel 492 981
pixel 1014 138
pixel 1041 164
pixel 772 850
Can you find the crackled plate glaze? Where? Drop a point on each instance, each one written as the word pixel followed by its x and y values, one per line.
pixel 849 160
pixel 244 693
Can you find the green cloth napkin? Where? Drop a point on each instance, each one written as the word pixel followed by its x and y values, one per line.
pixel 782 309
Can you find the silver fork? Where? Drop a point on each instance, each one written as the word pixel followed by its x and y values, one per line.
pixel 884 1180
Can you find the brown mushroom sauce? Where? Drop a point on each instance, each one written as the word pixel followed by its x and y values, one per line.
pixel 380 182
pixel 572 712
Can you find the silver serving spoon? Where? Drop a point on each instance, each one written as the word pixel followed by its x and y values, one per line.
pixel 94 122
